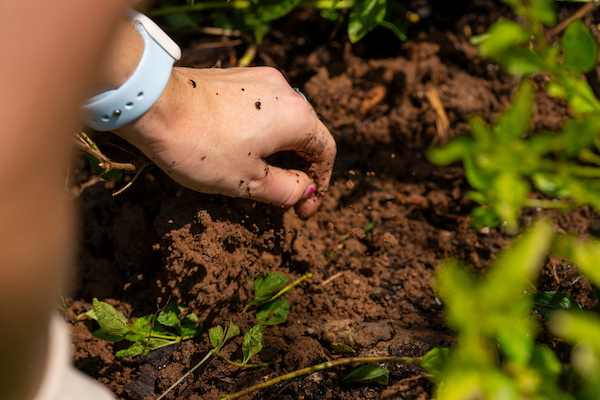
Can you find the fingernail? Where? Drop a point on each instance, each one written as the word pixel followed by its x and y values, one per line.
pixel 309 190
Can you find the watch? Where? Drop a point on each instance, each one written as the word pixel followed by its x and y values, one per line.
pixel 117 107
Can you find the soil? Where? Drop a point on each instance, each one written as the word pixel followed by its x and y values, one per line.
pixel 158 242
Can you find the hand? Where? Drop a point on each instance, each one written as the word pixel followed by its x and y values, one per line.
pixel 212 129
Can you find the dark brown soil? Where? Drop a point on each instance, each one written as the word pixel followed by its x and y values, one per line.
pixel 158 242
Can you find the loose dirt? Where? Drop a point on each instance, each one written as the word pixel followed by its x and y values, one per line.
pixel 372 291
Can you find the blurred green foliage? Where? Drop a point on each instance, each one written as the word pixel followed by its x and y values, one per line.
pixel 505 162
pixel 254 16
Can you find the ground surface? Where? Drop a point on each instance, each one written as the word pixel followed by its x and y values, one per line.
pixel 159 242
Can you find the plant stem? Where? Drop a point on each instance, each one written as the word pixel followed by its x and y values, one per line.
pixel 548 203
pixel 320 367
pixel 290 286
pixel 240 365
pixel 186 375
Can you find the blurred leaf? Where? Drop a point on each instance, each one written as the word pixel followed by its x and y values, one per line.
pixel 516 343
pixel 269 10
pixel 435 360
pixel 580 47
pixel 483 217
pixel 252 343
pixel 547 302
pixel 133 350
pixel 367 374
pixel 543 11
pixel 452 152
pixel 514 122
pixel 501 36
pixel 576 92
pixel 181 21
pixel 511 191
pixel 274 312
pixel 521 61
pixel 364 16
pixel 111 321
pixel 544 359
pixel 579 133
pixel 584 253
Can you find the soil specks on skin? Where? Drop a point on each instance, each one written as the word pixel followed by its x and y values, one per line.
pixel 203 157
pixel 243 89
pixel 250 153
pixel 257 104
pixel 241 182
pixel 193 83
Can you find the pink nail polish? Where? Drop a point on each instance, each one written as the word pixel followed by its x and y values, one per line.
pixel 310 190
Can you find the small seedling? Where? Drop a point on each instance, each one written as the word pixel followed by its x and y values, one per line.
pixel 147 333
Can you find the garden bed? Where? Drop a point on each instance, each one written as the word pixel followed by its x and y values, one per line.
pixel 373 291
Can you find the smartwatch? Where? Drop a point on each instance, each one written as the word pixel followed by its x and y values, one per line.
pixel 117 107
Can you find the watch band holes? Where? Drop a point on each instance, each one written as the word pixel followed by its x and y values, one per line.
pixel 105 118
pixel 140 95
pixel 129 106
pixel 94 121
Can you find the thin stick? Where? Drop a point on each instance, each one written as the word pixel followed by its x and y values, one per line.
pixel 103 161
pixel 442 123
pixel 217 45
pixel 328 280
pixel 186 375
pixel 582 12
pixel 320 367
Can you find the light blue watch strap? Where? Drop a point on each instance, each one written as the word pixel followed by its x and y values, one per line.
pixel 115 108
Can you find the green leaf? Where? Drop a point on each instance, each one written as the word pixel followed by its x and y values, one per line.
pixel 579 134
pixel 543 11
pixel 545 360
pixel 181 21
pixel 576 92
pixel 547 302
pixel 500 37
pixel 89 313
pixel 368 374
pixel 266 286
pixel 450 153
pixel 521 61
pixel 252 343
pixel 143 326
pixel 101 172
pixel 584 253
pixel 190 325
pixel 435 360
pixel 216 335
pixel 274 312
pixel 269 10
pixel 511 191
pixel 111 321
pixel 101 334
pixel 135 349
pixel 342 348
pixel 514 122
pixel 484 217
pixel 580 47
pixel 232 331
pixel 169 316
pixel 364 16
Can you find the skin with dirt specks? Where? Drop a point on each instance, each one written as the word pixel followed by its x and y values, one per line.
pixel 187 119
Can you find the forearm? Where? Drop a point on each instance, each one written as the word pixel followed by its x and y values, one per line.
pixel 51 52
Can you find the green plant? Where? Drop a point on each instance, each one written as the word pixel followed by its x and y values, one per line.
pixel 146 333
pixel 496 355
pixel 254 16
pixel 503 162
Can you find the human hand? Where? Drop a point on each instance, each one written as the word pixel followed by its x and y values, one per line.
pixel 212 129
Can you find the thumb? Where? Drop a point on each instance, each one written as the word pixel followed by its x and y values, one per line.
pixel 281 187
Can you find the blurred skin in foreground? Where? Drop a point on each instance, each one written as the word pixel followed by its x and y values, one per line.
pixel 55 55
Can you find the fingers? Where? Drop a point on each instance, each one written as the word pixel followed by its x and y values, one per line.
pixel 310 139
pixel 280 187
